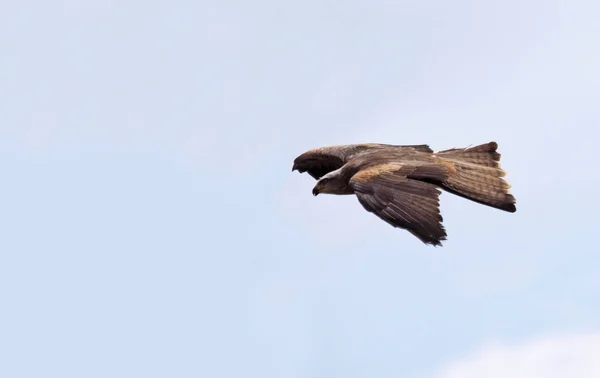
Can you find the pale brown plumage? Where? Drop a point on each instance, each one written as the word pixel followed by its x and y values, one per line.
pixel 401 184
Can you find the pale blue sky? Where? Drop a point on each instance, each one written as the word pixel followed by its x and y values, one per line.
pixel 152 227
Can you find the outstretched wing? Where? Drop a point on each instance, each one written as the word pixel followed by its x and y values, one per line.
pixel 396 194
pixel 320 161
pixel 320 166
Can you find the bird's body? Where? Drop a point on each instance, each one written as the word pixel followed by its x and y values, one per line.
pixel 400 184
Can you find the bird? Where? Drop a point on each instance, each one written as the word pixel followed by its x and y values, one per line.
pixel 401 184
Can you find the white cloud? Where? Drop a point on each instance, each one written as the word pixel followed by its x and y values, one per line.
pixel 564 356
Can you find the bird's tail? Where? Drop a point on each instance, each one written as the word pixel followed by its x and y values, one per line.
pixel 475 174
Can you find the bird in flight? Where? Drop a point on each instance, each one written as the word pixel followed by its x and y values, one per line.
pixel 401 183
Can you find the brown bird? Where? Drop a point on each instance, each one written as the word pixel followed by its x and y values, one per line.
pixel 400 183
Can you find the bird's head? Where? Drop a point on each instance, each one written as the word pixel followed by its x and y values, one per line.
pixel 329 183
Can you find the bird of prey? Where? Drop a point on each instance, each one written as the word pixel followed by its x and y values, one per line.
pixel 401 183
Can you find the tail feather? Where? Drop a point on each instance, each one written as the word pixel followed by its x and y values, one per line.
pixel 475 174
pixel 483 155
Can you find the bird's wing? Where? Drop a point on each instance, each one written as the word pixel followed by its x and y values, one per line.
pixel 395 193
pixel 320 167
pixel 414 147
pixel 320 161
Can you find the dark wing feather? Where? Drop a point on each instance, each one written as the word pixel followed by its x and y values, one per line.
pixel 320 161
pixel 416 147
pixel 318 168
pixel 402 202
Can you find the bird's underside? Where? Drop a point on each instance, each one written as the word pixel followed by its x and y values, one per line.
pixel 401 184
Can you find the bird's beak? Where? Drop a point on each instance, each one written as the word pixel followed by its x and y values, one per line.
pixel 315 191
pixel 294 167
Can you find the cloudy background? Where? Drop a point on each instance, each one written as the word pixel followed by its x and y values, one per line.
pixel 151 225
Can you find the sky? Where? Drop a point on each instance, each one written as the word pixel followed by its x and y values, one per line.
pixel 151 224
